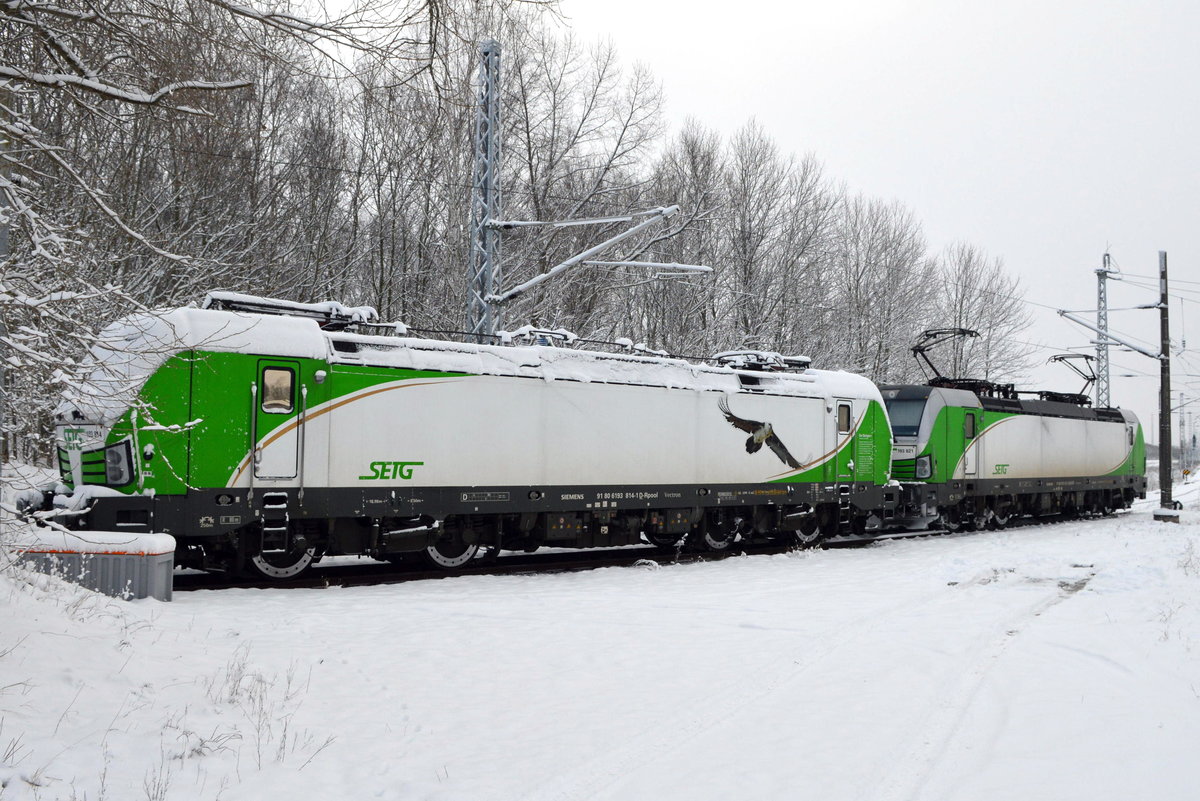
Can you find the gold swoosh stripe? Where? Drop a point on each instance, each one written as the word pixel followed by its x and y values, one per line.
pixel 339 404
pixel 825 457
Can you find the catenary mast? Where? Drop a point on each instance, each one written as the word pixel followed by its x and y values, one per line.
pixel 1103 399
pixel 483 271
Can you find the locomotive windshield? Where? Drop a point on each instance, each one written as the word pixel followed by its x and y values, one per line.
pixel 905 416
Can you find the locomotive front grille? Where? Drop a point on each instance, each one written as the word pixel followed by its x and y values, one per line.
pixel 64 467
pixel 904 469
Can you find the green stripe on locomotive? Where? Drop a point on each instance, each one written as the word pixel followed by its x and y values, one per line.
pixel 869 448
pixel 1135 463
pixel 948 443
pixel 193 415
pixel 190 425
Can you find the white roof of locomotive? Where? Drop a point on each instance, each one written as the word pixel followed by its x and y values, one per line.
pixel 129 350
pixel 564 364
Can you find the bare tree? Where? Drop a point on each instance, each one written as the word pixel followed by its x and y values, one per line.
pixel 885 287
pixel 408 201
pixel 977 292
pixel 159 150
pixel 801 320
pixel 680 313
pixel 755 214
pixel 579 130
pixel 153 150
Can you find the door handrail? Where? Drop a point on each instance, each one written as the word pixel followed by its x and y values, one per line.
pixel 254 455
pixel 300 435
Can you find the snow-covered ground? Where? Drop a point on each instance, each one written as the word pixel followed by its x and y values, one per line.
pixel 1038 663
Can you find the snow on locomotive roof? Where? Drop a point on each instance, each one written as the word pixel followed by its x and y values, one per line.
pixel 126 352
pixel 1037 406
pixel 223 331
pixel 330 309
pixel 562 364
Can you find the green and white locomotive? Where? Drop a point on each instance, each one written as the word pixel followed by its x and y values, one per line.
pixel 264 435
pixel 973 453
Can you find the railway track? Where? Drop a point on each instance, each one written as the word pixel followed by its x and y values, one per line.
pixel 353 575
pixel 374 573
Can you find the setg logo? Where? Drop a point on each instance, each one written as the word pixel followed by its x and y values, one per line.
pixel 73 439
pixel 1001 470
pixel 381 471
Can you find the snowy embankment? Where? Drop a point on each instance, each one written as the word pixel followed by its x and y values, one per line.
pixel 1039 663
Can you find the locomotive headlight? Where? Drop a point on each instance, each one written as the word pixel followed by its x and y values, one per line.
pixel 924 466
pixel 116 464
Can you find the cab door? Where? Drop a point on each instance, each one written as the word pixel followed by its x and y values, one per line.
pixel 276 409
pixel 1131 447
pixel 843 423
pixel 970 451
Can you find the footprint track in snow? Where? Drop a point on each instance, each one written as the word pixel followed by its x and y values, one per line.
pixel 719 708
pixel 941 723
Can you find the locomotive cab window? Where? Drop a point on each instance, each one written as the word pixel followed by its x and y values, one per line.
pixel 969 426
pixel 277 385
pixel 906 416
pixel 843 418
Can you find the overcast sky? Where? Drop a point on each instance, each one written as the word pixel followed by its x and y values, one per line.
pixel 1043 132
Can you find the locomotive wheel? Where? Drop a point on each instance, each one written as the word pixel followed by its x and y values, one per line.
pixel 950 520
pixel 1000 518
pixel 809 535
pixel 718 535
pixel 282 565
pixel 668 542
pixel 1106 505
pixel 829 521
pixel 718 540
pixel 450 553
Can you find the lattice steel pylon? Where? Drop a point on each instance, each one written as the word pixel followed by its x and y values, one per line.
pixel 1102 372
pixel 483 271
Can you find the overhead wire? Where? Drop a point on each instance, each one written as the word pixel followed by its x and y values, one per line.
pixel 1155 278
pixel 1040 346
pixel 1182 293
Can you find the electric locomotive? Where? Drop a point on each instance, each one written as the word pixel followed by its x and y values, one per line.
pixel 974 454
pixel 264 434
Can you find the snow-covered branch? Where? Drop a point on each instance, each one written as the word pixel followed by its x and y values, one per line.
pixel 125 95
